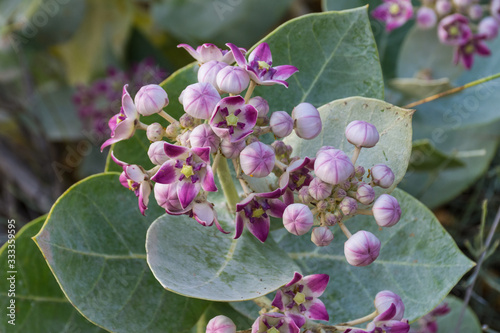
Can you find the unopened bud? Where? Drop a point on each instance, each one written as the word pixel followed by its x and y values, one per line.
pixel 321 236
pixel 361 134
pixel 362 248
pixel 155 132
pixel 386 210
pixel 150 99
pixel 298 219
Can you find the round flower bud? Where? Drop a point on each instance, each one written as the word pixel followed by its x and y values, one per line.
pixel 279 148
pixel 359 171
pixel 232 80
pixel 321 236
pixel 475 12
pixel 339 194
pixel 348 206
pixel 426 18
pixel 298 219
pixel 332 218
pixel 382 175
pixel 232 150
pixel 186 121
pixel 156 153
pixel 319 190
pixel 257 160
pixel 362 248
pixel 304 195
pixel 488 27
pixel 203 136
pixel 150 99
pixel 307 121
pixel 495 9
pixel 361 134
pixel 386 210
pixel 345 185
pixel 443 7
pixel 260 104
pixel 207 72
pixel 333 166
pixel 199 100
pixel 321 205
pixel 365 194
pixel 462 3
pixel 221 324
pixel 173 130
pixel 155 132
pixel 383 301
pixel 281 124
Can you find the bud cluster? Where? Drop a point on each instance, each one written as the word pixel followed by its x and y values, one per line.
pixel 463 24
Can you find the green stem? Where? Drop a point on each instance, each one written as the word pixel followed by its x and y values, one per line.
pixel 227 183
pixel 453 91
pixel 250 91
pixel 201 325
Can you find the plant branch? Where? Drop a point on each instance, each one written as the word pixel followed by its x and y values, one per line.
pixel 250 89
pixel 227 183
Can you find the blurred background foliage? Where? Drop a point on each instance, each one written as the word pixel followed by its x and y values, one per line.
pixel 63 64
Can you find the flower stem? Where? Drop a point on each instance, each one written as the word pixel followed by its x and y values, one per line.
pixel 215 164
pixel 250 89
pixel 167 117
pixel 364 212
pixel 355 155
pixel 227 183
pixel 141 126
pixel 452 91
pixel 360 320
pixel 344 229
pixel 280 165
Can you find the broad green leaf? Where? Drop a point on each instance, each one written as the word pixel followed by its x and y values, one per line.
pixel 204 263
pixel 393 124
pixel 425 156
pixel 214 21
pixel 16 14
pixel 93 241
pixel 418 260
pixel 418 88
pixel 40 305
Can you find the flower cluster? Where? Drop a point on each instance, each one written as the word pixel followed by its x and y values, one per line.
pixel 463 24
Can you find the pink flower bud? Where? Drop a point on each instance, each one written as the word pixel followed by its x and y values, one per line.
pixel 383 301
pixel 304 195
pixel 199 100
pixel 207 72
pixel 348 206
pixel 186 121
pixel 156 153
pixel 319 190
pixel 426 18
pixel 257 160
pixel 359 171
pixel 173 130
pixel 232 150
pixel 298 219
pixel 150 99
pixel 279 148
pixel 321 236
pixel 322 205
pixel 221 324
pixel 203 136
pixel 443 7
pixel 281 124
pixel 365 194
pixel 260 104
pixel 307 121
pixel 333 218
pixel 232 80
pixel 475 12
pixel 155 132
pixel 488 27
pixel 339 194
pixel 382 175
pixel 362 248
pixel 361 134
pixel 333 166
pixel 386 210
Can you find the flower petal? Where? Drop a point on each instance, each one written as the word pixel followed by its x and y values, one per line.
pixel 296 278
pixel 124 130
pixel 135 173
pixel 277 207
pixel 203 213
pixel 238 55
pixel 208 182
pixel 317 310
pixel 186 192
pixel 278 300
pixel 117 161
pixel 167 174
pixel 174 151
pixel 239 224
pixel 210 52
pixel 191 51
pixel 128 104
pixel 144 192
pixel 203 153
pixel 298 318
pixel 316 283
pixel 261 53
pixel 284 72
pixel 259 228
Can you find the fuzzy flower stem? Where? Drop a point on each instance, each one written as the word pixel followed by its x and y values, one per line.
pixel 280 165
pixel 215 164
pixel 167 117
pixel 249 92
pixel 355 155
pixel 262 130
pixel 360 320
pixel 364 212
pixel 452 91
pixel 226 181
pixel 344 229
pixel 141 126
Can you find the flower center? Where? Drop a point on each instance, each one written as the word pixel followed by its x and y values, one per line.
pixel 258 212
pixel 263 65
pixel 232 120
pixel 453 31
pixel 273 330
pixel 301 180
pixel 299 298
pixel 131 185
pixel 469 49
pixel 187 170
pixel 394 9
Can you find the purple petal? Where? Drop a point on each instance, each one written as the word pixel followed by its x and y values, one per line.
pixel 482 49
pixel 387 314
pixel 296 278
pixel 259 228
pixel 250 115
pixel 174 151
pixel 124 180
pixel 124 130
pixel 284 72
pixel 244 202
pixel 288 197
pixel 261 53
pixel 273 82
pixel 317 283
pixel 208 182
pixel 117 161
pixel 186 192
pixel 210 52
pixel 278 300
pixel 274 194
pixel 317 311
pixel 217 224
pixel 283 181
pixel 239 224
pixel 238 55
pixel 298 318
pixel 239 135
pixel 167 174
pixel 277 208
pixel 203 213
pixel 144 192
pixel 191 51
pixel 203 153
pixel 128 104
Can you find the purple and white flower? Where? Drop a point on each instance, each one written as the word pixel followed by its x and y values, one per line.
pixel 362 248
pixel 203 136
pixel 259 66
pixel 296 176
pixel 155 132
pixel 348 206
pixel 365 194
pixel 443 7
pixel 383 301
pixel 257 160
pixel 209 52
pixel 232 80
pixel 361 134
pixel 465 53
pixel 274 323
pixel 333 166
pixel 394 13
pixel 232 119
pixel 320 190
pixel 426 18
pixel 232 150
pixel 454 30
pixel 156 153
pixel 298 299
pixel 386 210
pixel 199 100
pixel 150 99
pixel 306 121
pixel 261 105
pixel 298 219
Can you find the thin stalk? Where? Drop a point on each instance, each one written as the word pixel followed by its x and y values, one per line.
pixel 141 126
pixel 355 155
pixel 344 229
pixel 167 117
pixel 201 324
pixel 364 212
pixel 227 183
pixel 280 165
pixel 250 89
pixel 452 91
pixel 360 320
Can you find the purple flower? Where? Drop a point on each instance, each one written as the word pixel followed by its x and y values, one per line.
pixel 321 236
pixel 306 121
pixel 390 310
pixel 221 324
pixel 488 27
pixel 465 53
pixel 199 100
pixel 298 219
pixel 426 18
pixel 274 323
pixel 150 99
pixel 233 119
pixel 281 124
pixel 386 210
pixel 188 167
pixel 298 299
pixel 207 73
pixel 394 13
pixel 362 248
pixel 259 66
pixel 296 175
pixel 382 175
pixel 454 30
pixel 232 80
pixel 257 160
pixel 203 136
pixel 333 166
pixel 208 52
pixel 136 179
pixel 383 301
pixel 476 12
pixel 122 125
pixel 254 212
pixel 361 134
